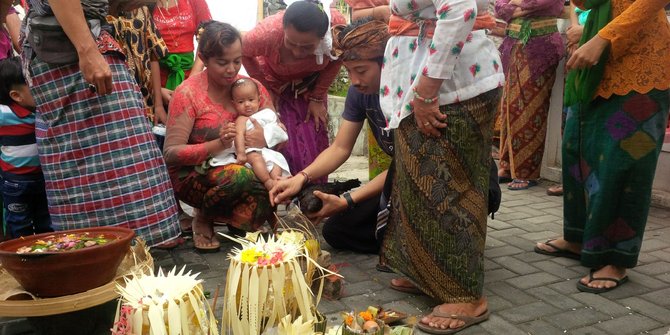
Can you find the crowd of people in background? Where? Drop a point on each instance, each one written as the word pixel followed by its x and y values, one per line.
pixel 78 105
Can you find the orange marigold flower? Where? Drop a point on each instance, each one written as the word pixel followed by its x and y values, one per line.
pixel 367 316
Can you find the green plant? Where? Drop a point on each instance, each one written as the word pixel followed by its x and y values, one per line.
pixel 340 85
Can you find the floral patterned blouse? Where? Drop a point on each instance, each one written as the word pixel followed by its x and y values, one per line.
pixel 466 60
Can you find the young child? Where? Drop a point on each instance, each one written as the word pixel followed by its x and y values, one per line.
pixel 268 165
pixel 23 193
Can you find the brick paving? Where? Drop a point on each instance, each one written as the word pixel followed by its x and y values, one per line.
pixel 528 293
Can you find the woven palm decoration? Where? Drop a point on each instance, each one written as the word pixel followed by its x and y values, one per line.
pixel 164 304
pixel 268 283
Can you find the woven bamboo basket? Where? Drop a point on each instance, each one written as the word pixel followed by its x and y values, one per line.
pixel 173 303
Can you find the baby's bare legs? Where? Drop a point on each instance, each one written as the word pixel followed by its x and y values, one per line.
pixel 260 169
pixel 240 128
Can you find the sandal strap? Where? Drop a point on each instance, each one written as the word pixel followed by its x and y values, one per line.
pixel 614 280
pixel 465 318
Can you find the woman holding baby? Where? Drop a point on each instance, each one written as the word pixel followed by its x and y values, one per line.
pixel 200 125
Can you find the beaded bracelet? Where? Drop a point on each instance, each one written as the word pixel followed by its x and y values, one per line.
pixel 307 177
pixel 427 101
pixel 313 99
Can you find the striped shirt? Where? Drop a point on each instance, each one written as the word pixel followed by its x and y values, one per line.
pixel 17 137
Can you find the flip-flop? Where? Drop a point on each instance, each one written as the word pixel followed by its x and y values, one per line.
pixel 558 252
pixel 383 268
pixel 169 245
pixel 504 179
pixel 585 288
pixel 556 190
pixel 205 249
pixel 186 224
pixel 529 184
pixel 407 289
pixel 468 321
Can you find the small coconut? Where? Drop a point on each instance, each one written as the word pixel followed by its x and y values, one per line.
pixel 370 326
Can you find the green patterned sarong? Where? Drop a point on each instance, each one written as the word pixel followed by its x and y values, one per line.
pixel 610 151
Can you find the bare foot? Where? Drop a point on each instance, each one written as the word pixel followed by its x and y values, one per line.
pixel 607 271
pixel 472 309
pixel 561 244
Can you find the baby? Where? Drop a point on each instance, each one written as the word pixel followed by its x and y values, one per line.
pixel 267 164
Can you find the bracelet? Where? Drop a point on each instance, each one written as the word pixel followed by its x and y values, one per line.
pixel 427 101
pixel 308 179
pixel 350 202
pixel 313 99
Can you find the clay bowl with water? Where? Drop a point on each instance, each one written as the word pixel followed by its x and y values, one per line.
pixel 55 274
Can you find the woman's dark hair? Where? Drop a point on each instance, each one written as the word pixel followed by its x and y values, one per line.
pixel 10 77
pixel 307 17
pixel 214 36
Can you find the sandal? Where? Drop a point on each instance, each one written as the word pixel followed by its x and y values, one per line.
pixel 556 190
pixel 203 247
pixel 407 287
pixel 520 184
pixel 185 224
pixel 586 288
pixel 557 252
pixel 169 245
pixel 468 321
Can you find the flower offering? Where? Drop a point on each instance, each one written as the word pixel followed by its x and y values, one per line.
pixel 63 242
pixel 267 285
pixel 172 303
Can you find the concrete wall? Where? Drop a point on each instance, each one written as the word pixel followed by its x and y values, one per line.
pixel 335 109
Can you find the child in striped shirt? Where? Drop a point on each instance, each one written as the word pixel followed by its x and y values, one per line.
pixel 23 192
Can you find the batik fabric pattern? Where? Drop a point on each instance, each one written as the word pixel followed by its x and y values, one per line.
pixel 610 151
pixel 100 161
pixel 139 38
pixel 437 230
pixel 523 113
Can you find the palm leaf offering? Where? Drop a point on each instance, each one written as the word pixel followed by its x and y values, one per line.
pixel 268 283
pixel 164 304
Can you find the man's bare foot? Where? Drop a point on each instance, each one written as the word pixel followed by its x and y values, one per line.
pixel 560 244
pixel 607 271
pixel 471 309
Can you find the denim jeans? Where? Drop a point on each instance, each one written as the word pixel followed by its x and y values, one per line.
pixel 26 208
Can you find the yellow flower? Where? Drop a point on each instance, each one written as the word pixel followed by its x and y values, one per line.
pixel 250 255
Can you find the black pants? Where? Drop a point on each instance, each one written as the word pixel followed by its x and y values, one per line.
pixel 354 229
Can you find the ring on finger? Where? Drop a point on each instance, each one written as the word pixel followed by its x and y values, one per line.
pixel 426 124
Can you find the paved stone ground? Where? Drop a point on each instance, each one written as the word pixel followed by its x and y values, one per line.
pixel 528 293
